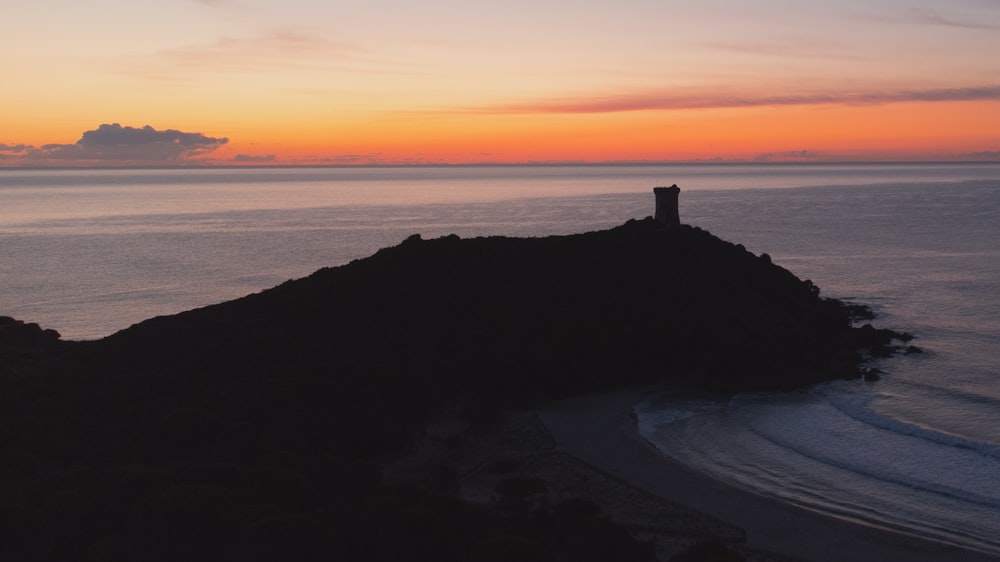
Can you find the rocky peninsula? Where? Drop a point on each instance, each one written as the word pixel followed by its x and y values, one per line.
pixel 387 409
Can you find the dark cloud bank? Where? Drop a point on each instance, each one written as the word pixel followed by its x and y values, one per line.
pixel 115 144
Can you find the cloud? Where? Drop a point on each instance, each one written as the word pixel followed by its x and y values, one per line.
pixel 928 16
pixel 251 158
pixel 350 159
pixel 117 144
pixel 708 100
pixel 796 47
pixel 278 49
pixel 10 152
pixel 988 156
pixel 788 156
pixel 13 151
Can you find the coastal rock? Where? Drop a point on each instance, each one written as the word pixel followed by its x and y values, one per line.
pixel 15 332
pixel 23 346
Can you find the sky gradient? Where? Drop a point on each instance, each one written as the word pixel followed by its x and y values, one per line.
pixel 109 82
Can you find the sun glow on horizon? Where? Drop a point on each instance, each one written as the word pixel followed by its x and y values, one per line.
pixel 386 83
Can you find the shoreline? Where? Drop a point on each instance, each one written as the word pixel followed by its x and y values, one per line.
pixel 598 430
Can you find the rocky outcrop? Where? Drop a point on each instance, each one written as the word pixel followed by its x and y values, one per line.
pixel 22 346
pixel 16 333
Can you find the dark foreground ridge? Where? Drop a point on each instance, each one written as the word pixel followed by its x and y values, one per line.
pixel 257 428
pixel 507 316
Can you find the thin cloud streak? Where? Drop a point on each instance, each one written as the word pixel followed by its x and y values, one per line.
pixel 985 156
pixel 278 45
pixel 670 101
pixel 278 50
pixel 927 16
pixel 254 158
pixel 789 156
pixel 790 48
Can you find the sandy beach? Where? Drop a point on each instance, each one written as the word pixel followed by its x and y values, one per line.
pixel 598 430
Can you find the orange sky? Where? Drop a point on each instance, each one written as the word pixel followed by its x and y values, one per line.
pixel 261 82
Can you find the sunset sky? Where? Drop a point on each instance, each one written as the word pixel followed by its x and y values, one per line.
pixel 115 82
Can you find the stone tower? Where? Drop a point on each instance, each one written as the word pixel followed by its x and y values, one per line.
pixel 666 205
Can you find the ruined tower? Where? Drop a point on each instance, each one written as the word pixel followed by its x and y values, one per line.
pixel 666 205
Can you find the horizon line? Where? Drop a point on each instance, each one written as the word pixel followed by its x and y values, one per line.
pixel 538 163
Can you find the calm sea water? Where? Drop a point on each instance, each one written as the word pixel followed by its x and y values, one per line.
pixel 918 451
pixel 91 252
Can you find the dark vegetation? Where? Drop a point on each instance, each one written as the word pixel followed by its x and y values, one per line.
pixel 254 429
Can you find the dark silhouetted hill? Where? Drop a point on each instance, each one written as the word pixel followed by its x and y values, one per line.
pixel 551 316
pixel 257 426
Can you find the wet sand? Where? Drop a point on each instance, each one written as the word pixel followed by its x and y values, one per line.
pixel 599 431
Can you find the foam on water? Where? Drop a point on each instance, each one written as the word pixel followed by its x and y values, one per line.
pixel 826 450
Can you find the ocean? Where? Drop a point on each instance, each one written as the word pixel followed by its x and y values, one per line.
pixel 90 252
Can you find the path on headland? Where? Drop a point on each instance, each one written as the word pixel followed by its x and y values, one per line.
pixel 597 430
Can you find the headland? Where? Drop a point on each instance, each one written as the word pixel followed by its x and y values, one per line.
pixel 404 406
